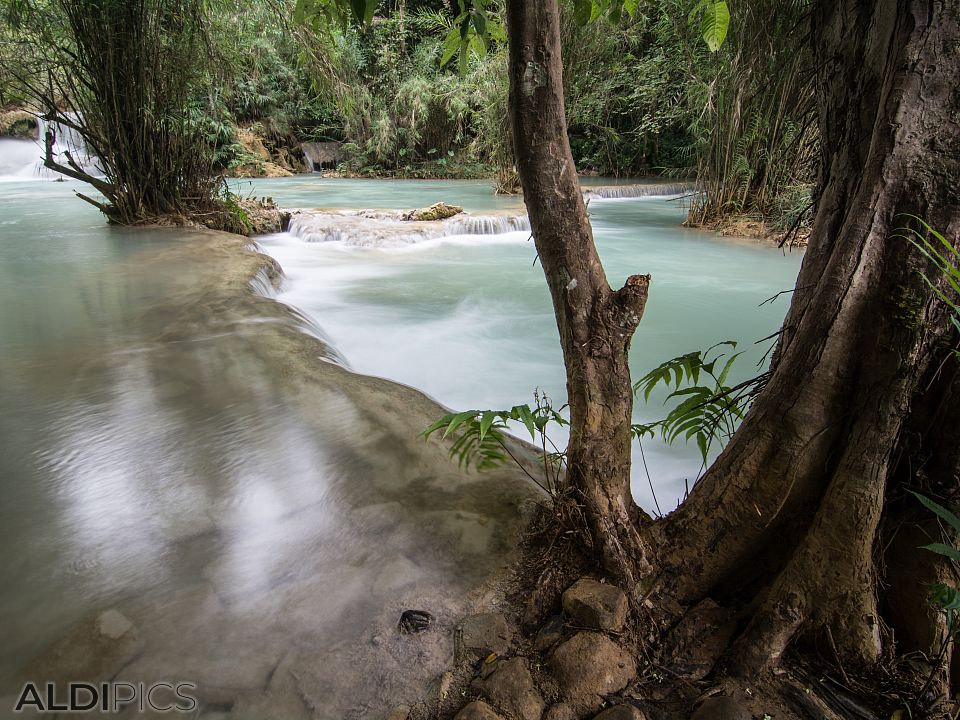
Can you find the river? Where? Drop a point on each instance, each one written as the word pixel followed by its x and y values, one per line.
pixel 193 457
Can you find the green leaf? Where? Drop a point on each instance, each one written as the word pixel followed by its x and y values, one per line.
pixel 486 421
pixel 945 550
pixel 714 24
pixel 480 23
pixel 458 420
pixel 464 64
pixel 940 511
pixel 582 11
pixel 450 46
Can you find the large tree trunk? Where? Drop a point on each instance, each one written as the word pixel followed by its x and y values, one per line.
pixel 793 520
pixel 801 490
pixel 596 323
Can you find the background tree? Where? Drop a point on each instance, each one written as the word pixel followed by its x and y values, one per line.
pixel 122 76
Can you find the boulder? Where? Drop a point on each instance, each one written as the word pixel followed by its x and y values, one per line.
pixel 721 707
pixel 437 211
pixel 483 634
pixel 595 605
pixel 510 688
pixel 401 712
pixel 95 650
pixel 477 710
pixel 622 712
pixel 589 666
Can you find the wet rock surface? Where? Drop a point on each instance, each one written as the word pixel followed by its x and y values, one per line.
pixel 96 649
pixel 594 605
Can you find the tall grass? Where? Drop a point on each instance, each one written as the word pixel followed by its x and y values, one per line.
pixel 758 149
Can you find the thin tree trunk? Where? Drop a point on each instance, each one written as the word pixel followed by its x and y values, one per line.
pixel 596 323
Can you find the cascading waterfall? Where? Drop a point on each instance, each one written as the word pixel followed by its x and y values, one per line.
pixel 617 192
pixel 23 159
pixel 388 229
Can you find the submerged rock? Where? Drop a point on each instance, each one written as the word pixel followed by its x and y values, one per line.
pixel 95 650
pixel 414 621
pixel 595 605
pixel 437 211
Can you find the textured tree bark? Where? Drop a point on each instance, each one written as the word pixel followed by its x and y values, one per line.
pixel 787 521
pixel 596 323
pixel 814 456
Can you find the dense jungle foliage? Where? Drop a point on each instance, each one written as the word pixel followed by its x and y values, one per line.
pixel 644 96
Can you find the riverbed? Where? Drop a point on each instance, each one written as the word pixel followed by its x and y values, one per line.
pixel 217 462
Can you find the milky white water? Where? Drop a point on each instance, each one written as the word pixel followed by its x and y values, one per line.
pixel 467 317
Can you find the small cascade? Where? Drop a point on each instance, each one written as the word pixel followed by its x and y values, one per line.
pixel 322 155
pixel 616 192
pixel 23 159
pixel 388 229
pixel 488 224
pixel 261 283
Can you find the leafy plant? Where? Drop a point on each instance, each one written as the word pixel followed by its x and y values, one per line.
pixel 708 409
pixel 944 256
pixel 480 438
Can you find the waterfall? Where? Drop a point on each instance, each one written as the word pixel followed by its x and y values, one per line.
pixel 611 192
pixel 322 155
pixel 23 159
pixel 388 229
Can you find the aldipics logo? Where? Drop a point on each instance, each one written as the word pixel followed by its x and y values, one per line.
pixel 81 697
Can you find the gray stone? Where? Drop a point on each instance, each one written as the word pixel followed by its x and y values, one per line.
pixel 595 605
pixel 477 710
pixel 480 635
pixel 622 712
pixel 95 650
pixel 721 707
pixel 589 666
pixel 550 634
pixel 510 688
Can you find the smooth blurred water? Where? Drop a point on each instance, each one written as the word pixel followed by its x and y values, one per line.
pixel 468 319
pixel 176 448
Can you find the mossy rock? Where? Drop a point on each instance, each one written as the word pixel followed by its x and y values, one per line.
pixel 19 124
pixel 437 211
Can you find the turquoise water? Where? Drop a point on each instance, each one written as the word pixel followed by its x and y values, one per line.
pixel 467 319
pixel 173 448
